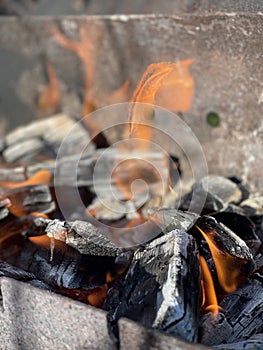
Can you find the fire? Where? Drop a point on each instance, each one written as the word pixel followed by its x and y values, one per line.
pixel 48 100
pixel 40 177
pixel 228 270
pixel 84 48
pixel 209 302
pixel 169 85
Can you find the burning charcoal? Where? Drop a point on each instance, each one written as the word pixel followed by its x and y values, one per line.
pixel 241 318
pixel 81 235
pixel 22 149
pixel 171 219
pixel 57 264
pixel 242 226
pixel 219 192
pixel 25 200
pixel 44 137
pixel 162 286
pixel 233 244
pixel 12 174
pixel 253 343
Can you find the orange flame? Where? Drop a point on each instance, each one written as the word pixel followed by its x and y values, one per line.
pixel 169 85
pixel 84 48
pixel 48 100
pixel 227 266
pixel 209 302
pixel 40 177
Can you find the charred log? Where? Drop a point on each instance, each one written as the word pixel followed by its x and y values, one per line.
pixel 56 263
pixel 242 316
pixel 162 286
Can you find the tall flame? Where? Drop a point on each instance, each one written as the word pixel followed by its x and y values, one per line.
pixel 228 270
pixel 170 85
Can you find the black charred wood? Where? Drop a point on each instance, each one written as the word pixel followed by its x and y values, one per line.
pixel 58 265
pixel 162 286
pixel 81 235
pixel 253 343
pixel 241 318
pixel 225 237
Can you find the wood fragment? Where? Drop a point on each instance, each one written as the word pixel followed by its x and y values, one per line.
pixel 253 343
pixel 162 286
pixel 242 317
pixel 81 235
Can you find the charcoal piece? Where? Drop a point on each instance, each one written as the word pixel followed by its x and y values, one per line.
pixel 58 266
pixel 45 137
pixel 28 199
pixel 253 205
pixel 15 174
pixel 218 191
pixel 3 210
pixel 253 343
pixel 81 235
pixel 214 329
pixel 231 242
pixel 162 286
pixel 243 316
pixel 171 219
pixel 8 270
pixel 243 226
pixel 18 151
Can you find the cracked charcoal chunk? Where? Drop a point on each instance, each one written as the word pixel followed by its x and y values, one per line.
pixel 171 219
pixel 67 268
pixel 81 235
pixel 162 286
pixel 253 343
pixel 233 244
pixel 219 193
pixel 242 318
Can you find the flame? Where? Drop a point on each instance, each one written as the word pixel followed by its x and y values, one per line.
pixel 41 177
pixel 209 302
pixel 169 85
pixel 228 270
pixel 48 100
pixel 84 48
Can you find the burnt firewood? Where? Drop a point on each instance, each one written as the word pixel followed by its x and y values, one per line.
pixel 57 264
pixel 242 225
pixel 81 235
pixel 7 270
pixel 162 286
pixel 225 237
pixel 253 343
pixel 242 316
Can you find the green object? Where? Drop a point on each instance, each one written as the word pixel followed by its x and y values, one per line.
pixel 213 119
